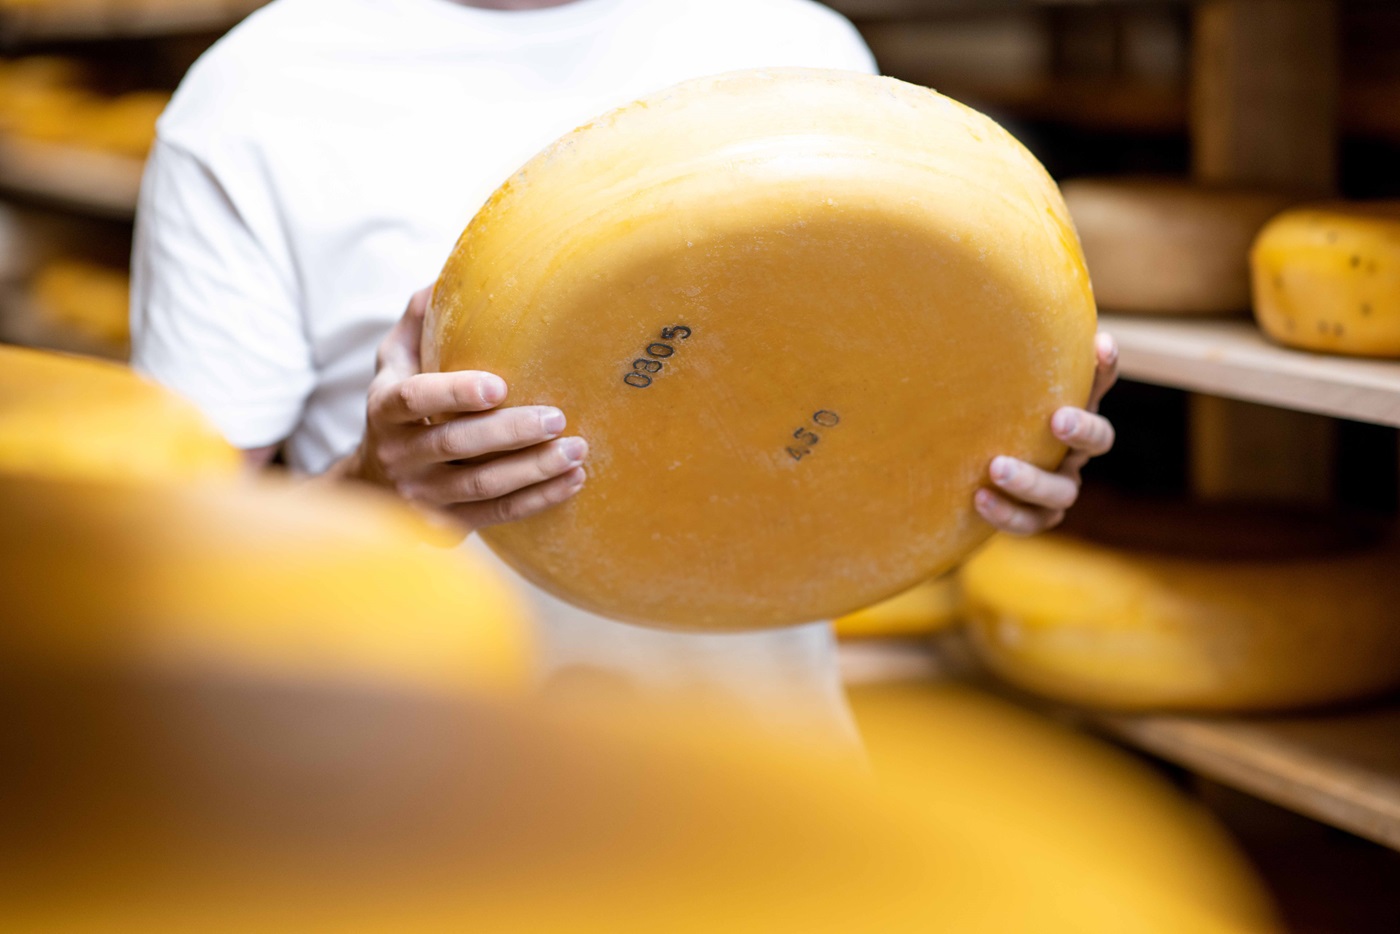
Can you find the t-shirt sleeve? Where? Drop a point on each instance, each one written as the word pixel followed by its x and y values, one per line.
pixel 214 313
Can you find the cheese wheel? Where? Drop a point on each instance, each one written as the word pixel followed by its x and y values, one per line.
pixel 1328 278
pixel 66 416
pixel 1168 247
pixel 922 609
pixel 795 313
pixel 273 579
pixel 1190 609
pixel 88 300
pixel 1107 835
pixel 220 804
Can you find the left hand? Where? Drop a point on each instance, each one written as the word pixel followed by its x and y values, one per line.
pixel 1027 499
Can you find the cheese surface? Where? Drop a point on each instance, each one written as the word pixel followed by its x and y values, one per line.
pixel 796 314
pixel 1169 247
pixel 67 416
pixel 269 579
pixel 1328 278
pixel 1231 610
pixel 929 607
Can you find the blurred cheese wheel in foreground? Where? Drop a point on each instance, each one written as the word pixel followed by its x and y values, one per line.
pixel 1328 278
pixel 924 608
pixel 273 579
pixel 1168 247
pixel 65 416
pixel 212 802
pixel 795 313
pixel 1204 608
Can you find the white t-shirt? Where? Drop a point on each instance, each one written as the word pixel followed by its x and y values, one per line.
pixel 316 167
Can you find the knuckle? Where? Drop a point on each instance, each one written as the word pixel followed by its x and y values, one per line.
pixel 407 395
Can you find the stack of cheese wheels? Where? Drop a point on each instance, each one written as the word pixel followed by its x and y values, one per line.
pixel 278 579
pixel 1328 278
pixel 795 313
pixel 922 609
pixel 1169 247
pixel 66 416
pixel 1201 608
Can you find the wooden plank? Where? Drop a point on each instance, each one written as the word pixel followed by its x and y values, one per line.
pixel 95 183
pixel 1232 358
pixel 1342 769
pixel 1264 92
pixel 74 20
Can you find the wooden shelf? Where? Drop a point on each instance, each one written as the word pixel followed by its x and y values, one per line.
pixel 1342 769
pixel 1339 768
pixel 105 19
pixel 95 183
pixel 1231 358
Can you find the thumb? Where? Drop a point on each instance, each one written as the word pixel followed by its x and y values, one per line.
pixel 399 356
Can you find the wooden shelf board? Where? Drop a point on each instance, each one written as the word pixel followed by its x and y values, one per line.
pixel 85 20
pixel 91 182
pixel 1231 358
pixel 1341 768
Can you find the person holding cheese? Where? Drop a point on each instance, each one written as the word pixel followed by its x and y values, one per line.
pixel 315 168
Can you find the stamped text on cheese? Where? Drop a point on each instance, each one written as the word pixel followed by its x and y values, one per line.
pixel 643 368
pixel 807 439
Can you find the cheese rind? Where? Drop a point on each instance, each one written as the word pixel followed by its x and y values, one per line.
pixel 1168 247
pixel 1144 626
pixel 1328 278
pixel 264 579
pixel 77 417
pixel 795 313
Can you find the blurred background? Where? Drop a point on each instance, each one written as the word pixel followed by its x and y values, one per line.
pixel 1300 98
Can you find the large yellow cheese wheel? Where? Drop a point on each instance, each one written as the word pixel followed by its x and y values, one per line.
pixel 278 579
pixel 1168 247
pixel 200 801
pixel 67 416
pixel 1211 609
pixel 1328 278
pixel 1110 844
pixel 929 607
pixel 795 313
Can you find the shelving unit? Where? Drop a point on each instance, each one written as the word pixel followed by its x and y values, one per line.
pixel 87 20
pixel 1231 358
pixel 88 182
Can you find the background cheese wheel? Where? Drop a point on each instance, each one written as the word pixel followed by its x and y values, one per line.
pixel 65 416
pixel 280 580
pixel 929 607
pixel 1328 278
pixel 795 313
pixel 1168 247
pixel 1189 608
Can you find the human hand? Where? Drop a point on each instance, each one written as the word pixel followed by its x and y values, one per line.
pixel 439 440
pixel 1030 500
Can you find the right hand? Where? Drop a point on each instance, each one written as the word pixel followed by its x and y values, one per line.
pixel 439 440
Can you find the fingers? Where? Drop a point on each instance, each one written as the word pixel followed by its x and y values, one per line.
pixel 471 436
pixel 1033 486
pixel 522 503
pixel 399 351
pixel 1083 432
pixel 501 477
pixel 427 395
pixel 1105 370
pixel 1015 518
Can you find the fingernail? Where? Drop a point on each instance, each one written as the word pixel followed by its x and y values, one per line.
pixel 553 422
pixel 983 499
pixel 493 389
pixel 579 478
pixel 1065 422
pixel 574 449
pixel 1003 468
